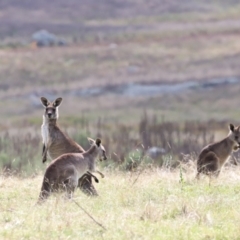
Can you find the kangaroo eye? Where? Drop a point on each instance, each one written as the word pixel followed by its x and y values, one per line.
pixel 236 137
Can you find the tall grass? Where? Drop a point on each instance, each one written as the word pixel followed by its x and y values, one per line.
pixel 127 145
pixel 20 153
pixel 151 204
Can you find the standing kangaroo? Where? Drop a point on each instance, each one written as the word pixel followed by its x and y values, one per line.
pixel 56 143
pixel 215 155
pixel 63 172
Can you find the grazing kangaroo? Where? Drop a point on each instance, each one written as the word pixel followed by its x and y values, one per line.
pixel 215 155
pixel 63 172
pixel 56 143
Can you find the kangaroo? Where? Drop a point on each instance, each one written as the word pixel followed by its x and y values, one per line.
pixel 215 155
pixel 63 173
pixel 56 143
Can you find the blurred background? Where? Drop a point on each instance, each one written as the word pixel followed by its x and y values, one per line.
pixel 155 79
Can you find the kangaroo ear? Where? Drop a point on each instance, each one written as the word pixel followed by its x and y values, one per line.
pixel 98 142
pixel 231 127
pixel 57 102
pixel 91 141
pixel 44 101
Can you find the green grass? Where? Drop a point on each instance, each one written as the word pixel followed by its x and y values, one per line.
pixel 153 204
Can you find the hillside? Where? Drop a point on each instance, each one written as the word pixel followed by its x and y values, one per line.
pixel 112 45
pixel 68 18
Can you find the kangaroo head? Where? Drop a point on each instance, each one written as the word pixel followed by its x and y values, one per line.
pixel 51 109
pixel 100 148
pixel 234 135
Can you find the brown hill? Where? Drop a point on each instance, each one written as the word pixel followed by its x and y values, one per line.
pixel 21 18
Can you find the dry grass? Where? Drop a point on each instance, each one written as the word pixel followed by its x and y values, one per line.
pixel 175 47
pixel 157 204
pixel 28 74
pixel 157 57
pixel 199 41
pixel 142 42
pixel 83 18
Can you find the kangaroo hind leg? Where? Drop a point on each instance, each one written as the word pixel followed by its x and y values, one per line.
pixel 70 184
pixel 45 191
pixel 210 164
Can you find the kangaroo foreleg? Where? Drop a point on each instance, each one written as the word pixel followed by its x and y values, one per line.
pixel 43 150
pixel 94 177
pixel 101 174
pixel 44 153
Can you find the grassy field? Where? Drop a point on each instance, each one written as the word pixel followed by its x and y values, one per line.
pixel 153 204
pixel 113 44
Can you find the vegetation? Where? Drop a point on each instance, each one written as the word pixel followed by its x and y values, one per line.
pixel 151 204
pixel 128 146
pixel 110 45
